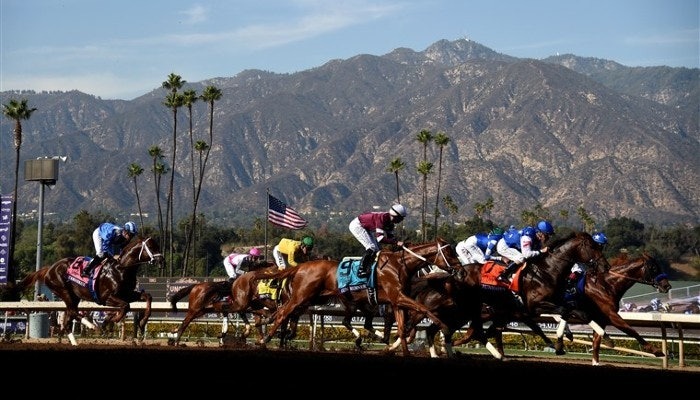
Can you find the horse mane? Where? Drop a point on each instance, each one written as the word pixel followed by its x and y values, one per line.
pixel 559 241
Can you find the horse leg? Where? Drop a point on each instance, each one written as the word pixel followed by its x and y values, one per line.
pixel 145 316
pixel 595 353
pixel 347 319
pixel 224 329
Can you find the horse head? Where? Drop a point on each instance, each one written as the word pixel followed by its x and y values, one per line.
pixel 645 270
pixel 579 247
pixel 141 251
pixel 439 254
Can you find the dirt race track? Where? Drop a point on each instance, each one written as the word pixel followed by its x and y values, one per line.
pixel 178 370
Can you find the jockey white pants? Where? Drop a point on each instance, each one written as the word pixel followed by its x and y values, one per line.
pixel 363 236
pixel 280 258
pixel 468 251
pixel 97 240
pixel 509 252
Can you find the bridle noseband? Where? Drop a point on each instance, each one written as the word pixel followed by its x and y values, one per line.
pixel 439 254
pixel 144 247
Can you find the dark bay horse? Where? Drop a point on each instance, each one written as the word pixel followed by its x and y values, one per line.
pixel 601 299
pixel 315 281
pixel 540 285
pixel 114 285
pixel 449 298
pixel 224 297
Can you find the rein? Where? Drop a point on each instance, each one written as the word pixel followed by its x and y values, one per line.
pixel 432 266
pixel 144 247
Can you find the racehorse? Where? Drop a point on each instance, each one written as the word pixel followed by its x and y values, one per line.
pixel 225 297
pixel 449 299
pixel 601 299
pixel 315 281
pixel 539 285
pixel 114 285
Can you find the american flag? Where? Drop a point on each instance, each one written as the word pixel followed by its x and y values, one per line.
pixel 282 215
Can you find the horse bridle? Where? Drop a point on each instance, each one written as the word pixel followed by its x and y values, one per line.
pixel 647 280
pixel 433 265
pixel 144 247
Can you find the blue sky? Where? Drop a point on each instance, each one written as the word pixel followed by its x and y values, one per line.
pixel 124 49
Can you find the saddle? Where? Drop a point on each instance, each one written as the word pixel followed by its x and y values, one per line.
pixel 490 271
pixel 349 281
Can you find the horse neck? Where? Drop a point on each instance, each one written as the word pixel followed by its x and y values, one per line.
pixel 134 256
pixel 623 276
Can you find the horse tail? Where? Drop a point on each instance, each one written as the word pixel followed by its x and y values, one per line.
pixel 180 294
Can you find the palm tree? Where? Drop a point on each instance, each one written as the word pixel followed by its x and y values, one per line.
pixel 189 97
pixel 210 95
pixel 441 140
pixel 424 168
pixel 158 170
pixel 395 166
pixel 135 170
pixel 173 101
pixel 17 111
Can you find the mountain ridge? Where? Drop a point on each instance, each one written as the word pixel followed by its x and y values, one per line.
pixel 564 132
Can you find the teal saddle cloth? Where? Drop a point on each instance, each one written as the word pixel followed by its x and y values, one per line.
pixel 348 281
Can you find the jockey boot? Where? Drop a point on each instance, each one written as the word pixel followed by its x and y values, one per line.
pixel 505 275
pixel 366 263
pixel 88 269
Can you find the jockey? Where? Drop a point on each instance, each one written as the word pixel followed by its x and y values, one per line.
pixel 372 228
pixel 234 261
pixel 479 248
pixel 578 268
pixel 288 252
pixel 109 240
pixel 518 246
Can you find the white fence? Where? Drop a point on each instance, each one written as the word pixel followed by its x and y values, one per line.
pixel 678 323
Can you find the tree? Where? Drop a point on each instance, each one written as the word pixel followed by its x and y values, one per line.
pixel 210 95
pixel 395 166
pixel 17 111
pixel 158 170
pixel 424 168
pixel 441 140
pixel 189 97
pixel 173 101
pixel 135 170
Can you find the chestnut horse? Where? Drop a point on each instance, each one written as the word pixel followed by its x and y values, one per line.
pixel 225 297
pixel 601 299
pixel 114 285
pixel 315 281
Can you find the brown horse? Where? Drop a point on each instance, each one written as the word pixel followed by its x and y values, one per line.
pixel 114 285
pixel 449 298
pixel 601 299
pixel 225 297
pixel 541 284
pixel 315 282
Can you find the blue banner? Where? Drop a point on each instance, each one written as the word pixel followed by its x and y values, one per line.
pixel 5 234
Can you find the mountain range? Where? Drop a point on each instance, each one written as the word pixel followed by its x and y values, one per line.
pixel 561 134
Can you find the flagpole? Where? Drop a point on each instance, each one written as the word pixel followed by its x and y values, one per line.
pixel 267 218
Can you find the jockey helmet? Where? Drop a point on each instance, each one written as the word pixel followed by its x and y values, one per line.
pixel 600 238
pixel 131 227
pixel 496 234
pixel 528 231
pixel 255 252
pixel 308 242
pixel 397 210
pixel 545 227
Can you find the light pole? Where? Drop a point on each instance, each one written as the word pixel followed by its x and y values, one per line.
pixel 45 171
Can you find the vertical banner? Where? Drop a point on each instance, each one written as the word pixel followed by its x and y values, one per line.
pixel 5 232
